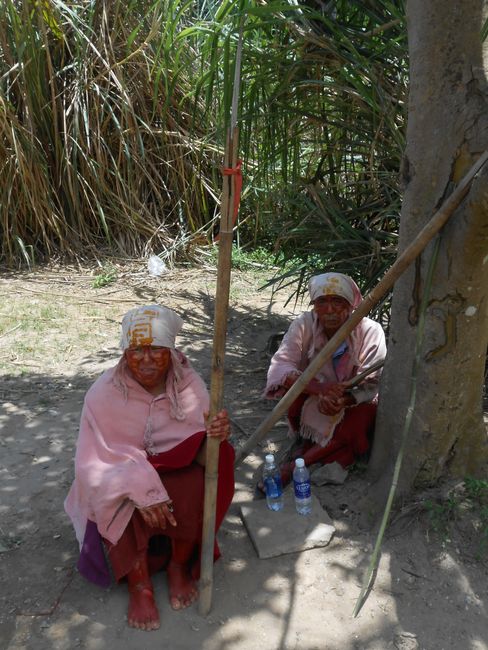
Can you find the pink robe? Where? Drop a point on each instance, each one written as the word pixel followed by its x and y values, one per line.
pixel 302 342
pixel 121 423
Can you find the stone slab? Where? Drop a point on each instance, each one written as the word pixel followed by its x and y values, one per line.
pixel 331 473
pixel 285 531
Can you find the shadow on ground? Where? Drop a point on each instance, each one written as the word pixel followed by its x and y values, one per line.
pixel 426 595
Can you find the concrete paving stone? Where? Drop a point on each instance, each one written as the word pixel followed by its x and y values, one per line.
pixel 285 531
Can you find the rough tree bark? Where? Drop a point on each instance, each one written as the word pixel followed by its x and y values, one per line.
pixel 447 131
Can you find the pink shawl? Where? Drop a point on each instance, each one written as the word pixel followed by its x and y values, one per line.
pixel 120 424
pixel 304 339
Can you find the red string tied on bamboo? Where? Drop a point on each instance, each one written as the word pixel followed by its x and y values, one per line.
pixel 236 174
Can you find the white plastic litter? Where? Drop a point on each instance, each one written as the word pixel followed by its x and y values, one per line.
pixel 156 266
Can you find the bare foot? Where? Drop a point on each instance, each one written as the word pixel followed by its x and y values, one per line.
pixel 182 588
pixel 143 613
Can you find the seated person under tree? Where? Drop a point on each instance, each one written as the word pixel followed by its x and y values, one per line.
pixel 331 422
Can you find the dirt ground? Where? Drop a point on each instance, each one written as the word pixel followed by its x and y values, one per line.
pixel 57 333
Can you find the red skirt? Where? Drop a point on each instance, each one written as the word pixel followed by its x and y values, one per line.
pixel 184 480
pixel 352 436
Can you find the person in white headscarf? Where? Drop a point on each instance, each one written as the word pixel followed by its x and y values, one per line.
pixel 137 497
pixel 333 423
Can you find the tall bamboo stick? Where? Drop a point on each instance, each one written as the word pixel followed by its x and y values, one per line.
pixel 412 251
pixel 219 340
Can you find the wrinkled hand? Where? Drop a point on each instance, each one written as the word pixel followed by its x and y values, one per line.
pixel 334 398
pixel 218 426
pixel 158 515
pixel 331 391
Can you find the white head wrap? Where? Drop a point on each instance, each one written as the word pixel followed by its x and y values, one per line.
pixel 334 284
pixel 150 325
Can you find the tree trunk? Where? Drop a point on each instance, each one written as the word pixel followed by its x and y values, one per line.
pixel 447 131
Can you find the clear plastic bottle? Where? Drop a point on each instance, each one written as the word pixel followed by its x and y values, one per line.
pixel 301 485
pixel 272 484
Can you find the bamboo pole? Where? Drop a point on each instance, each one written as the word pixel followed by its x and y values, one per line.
pixel 412 251
pixel 219 341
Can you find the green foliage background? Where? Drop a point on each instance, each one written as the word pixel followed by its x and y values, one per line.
pixel 113 118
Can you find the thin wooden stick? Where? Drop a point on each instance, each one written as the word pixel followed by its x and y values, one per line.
pixel 219 340
pixel 412 251
pixel 354 381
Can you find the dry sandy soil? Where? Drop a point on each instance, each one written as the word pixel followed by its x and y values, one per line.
pixel 57 333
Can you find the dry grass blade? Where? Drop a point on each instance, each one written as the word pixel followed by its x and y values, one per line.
pixel 95 130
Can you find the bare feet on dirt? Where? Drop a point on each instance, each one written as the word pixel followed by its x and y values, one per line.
pixel 431 588
pixel 143 613
pixel 182 588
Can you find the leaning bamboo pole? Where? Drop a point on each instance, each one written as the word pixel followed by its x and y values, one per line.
pixel 370 574
pixel 219 340
pixel 412 251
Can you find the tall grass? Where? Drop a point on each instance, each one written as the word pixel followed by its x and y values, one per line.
pixel 332 125
pixel 113 117
pixel 100 147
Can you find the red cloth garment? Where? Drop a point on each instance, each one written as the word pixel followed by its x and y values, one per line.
pixel 351 438
pixel 183 478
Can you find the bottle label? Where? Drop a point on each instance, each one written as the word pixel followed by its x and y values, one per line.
pixel 272 485
pixel 302 489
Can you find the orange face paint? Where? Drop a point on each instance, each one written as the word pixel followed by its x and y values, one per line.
pixel 332 312
pixel 149 365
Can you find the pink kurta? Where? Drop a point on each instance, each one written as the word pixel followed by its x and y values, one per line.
pixel 121 423
pixel 302 342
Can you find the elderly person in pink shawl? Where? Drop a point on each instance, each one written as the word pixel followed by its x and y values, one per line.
pixel 332 422
pixel 137 497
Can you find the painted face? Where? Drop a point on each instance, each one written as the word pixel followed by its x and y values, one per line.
pixel 149 365
pixel 332 311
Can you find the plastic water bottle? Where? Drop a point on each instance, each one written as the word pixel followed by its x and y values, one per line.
pixel 272 484
pixel 301 485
